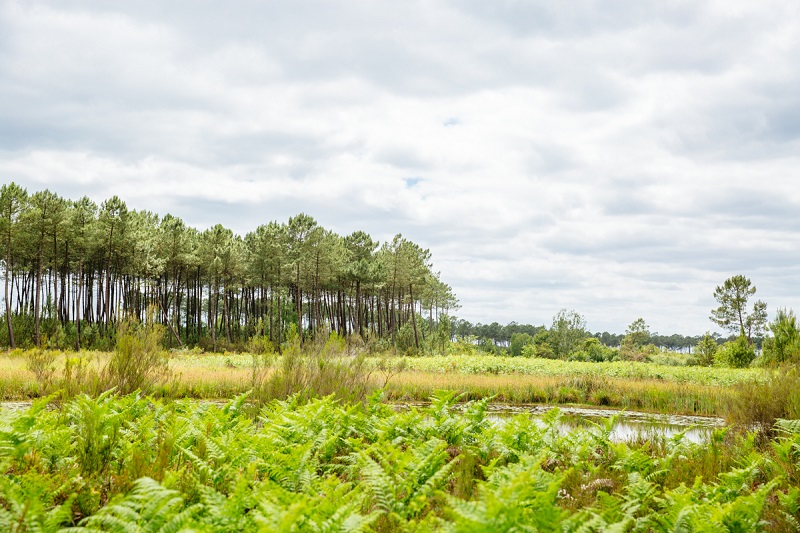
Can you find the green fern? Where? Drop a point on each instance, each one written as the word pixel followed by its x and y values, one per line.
pixel 29 508
pixel 147 508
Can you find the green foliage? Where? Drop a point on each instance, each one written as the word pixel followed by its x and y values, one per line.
pixel 784 345
pixel 732 313
pixel 136 464
pixel 758 404
pixel 567 333
pixel 518 342
pixel 147 508
pixel 541 346
pixel 613 369
pixel 706 350
pixel 738 353
pixel 97 423
pixel 594 351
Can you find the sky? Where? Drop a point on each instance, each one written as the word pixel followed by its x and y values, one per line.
pixel 620 159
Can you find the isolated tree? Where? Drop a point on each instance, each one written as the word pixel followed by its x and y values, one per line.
pixel 12 202
pixel 637 334
pixel 706 350
pixel 732 313
pixel 784 345
pixel 567 333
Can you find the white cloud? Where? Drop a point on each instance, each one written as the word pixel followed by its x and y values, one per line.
pixel 619 160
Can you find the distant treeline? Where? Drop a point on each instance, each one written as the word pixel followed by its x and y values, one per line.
pixel 72 270
pixel 501 335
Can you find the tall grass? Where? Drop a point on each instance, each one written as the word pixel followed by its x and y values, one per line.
pixel 637 394
pixel 757 405
pixel 330 367
pixel 316 369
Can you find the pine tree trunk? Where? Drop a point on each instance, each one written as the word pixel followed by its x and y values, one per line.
pixel 8 301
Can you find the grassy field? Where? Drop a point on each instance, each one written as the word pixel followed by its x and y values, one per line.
pixel 134 463
pixel 460 364
pixel 626 385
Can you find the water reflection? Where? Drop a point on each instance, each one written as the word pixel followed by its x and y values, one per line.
pixel 629 425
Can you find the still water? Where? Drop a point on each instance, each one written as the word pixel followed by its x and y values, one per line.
pixel 629 425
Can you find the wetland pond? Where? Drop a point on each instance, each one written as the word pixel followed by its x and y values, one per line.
pixel 628 426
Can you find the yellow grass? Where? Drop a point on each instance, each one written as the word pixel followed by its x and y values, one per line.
pixel 224 376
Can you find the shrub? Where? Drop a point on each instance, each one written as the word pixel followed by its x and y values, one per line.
pixel 139 359
pixel 77 375
pixel 629 351
pixel 784 346
pixel 318 369
pixel 738 353
pixel 706 350
pixel 594 351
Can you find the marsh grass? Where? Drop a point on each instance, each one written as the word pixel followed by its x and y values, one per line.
pixel 757 405
pixel 648 395
pixel 314 370
pixel 330 370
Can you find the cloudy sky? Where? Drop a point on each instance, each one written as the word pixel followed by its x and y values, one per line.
pixel 614 158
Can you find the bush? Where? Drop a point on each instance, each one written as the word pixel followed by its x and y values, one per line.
pixel 139 359
pixel 784 346
pixel 628 351
pixel 738 353
pixel 77 376
pixel 594 351
pixel 316 369
pixel 706 350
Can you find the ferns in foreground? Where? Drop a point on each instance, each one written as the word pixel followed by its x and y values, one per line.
pixel 133 463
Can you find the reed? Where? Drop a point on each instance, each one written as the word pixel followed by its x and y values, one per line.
pixel 624 393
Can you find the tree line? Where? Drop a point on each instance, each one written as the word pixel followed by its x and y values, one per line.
pixel 501 335
pixel 753 339
pixel 73 269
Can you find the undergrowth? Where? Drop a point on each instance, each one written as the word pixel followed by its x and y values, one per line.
pixel 136 463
